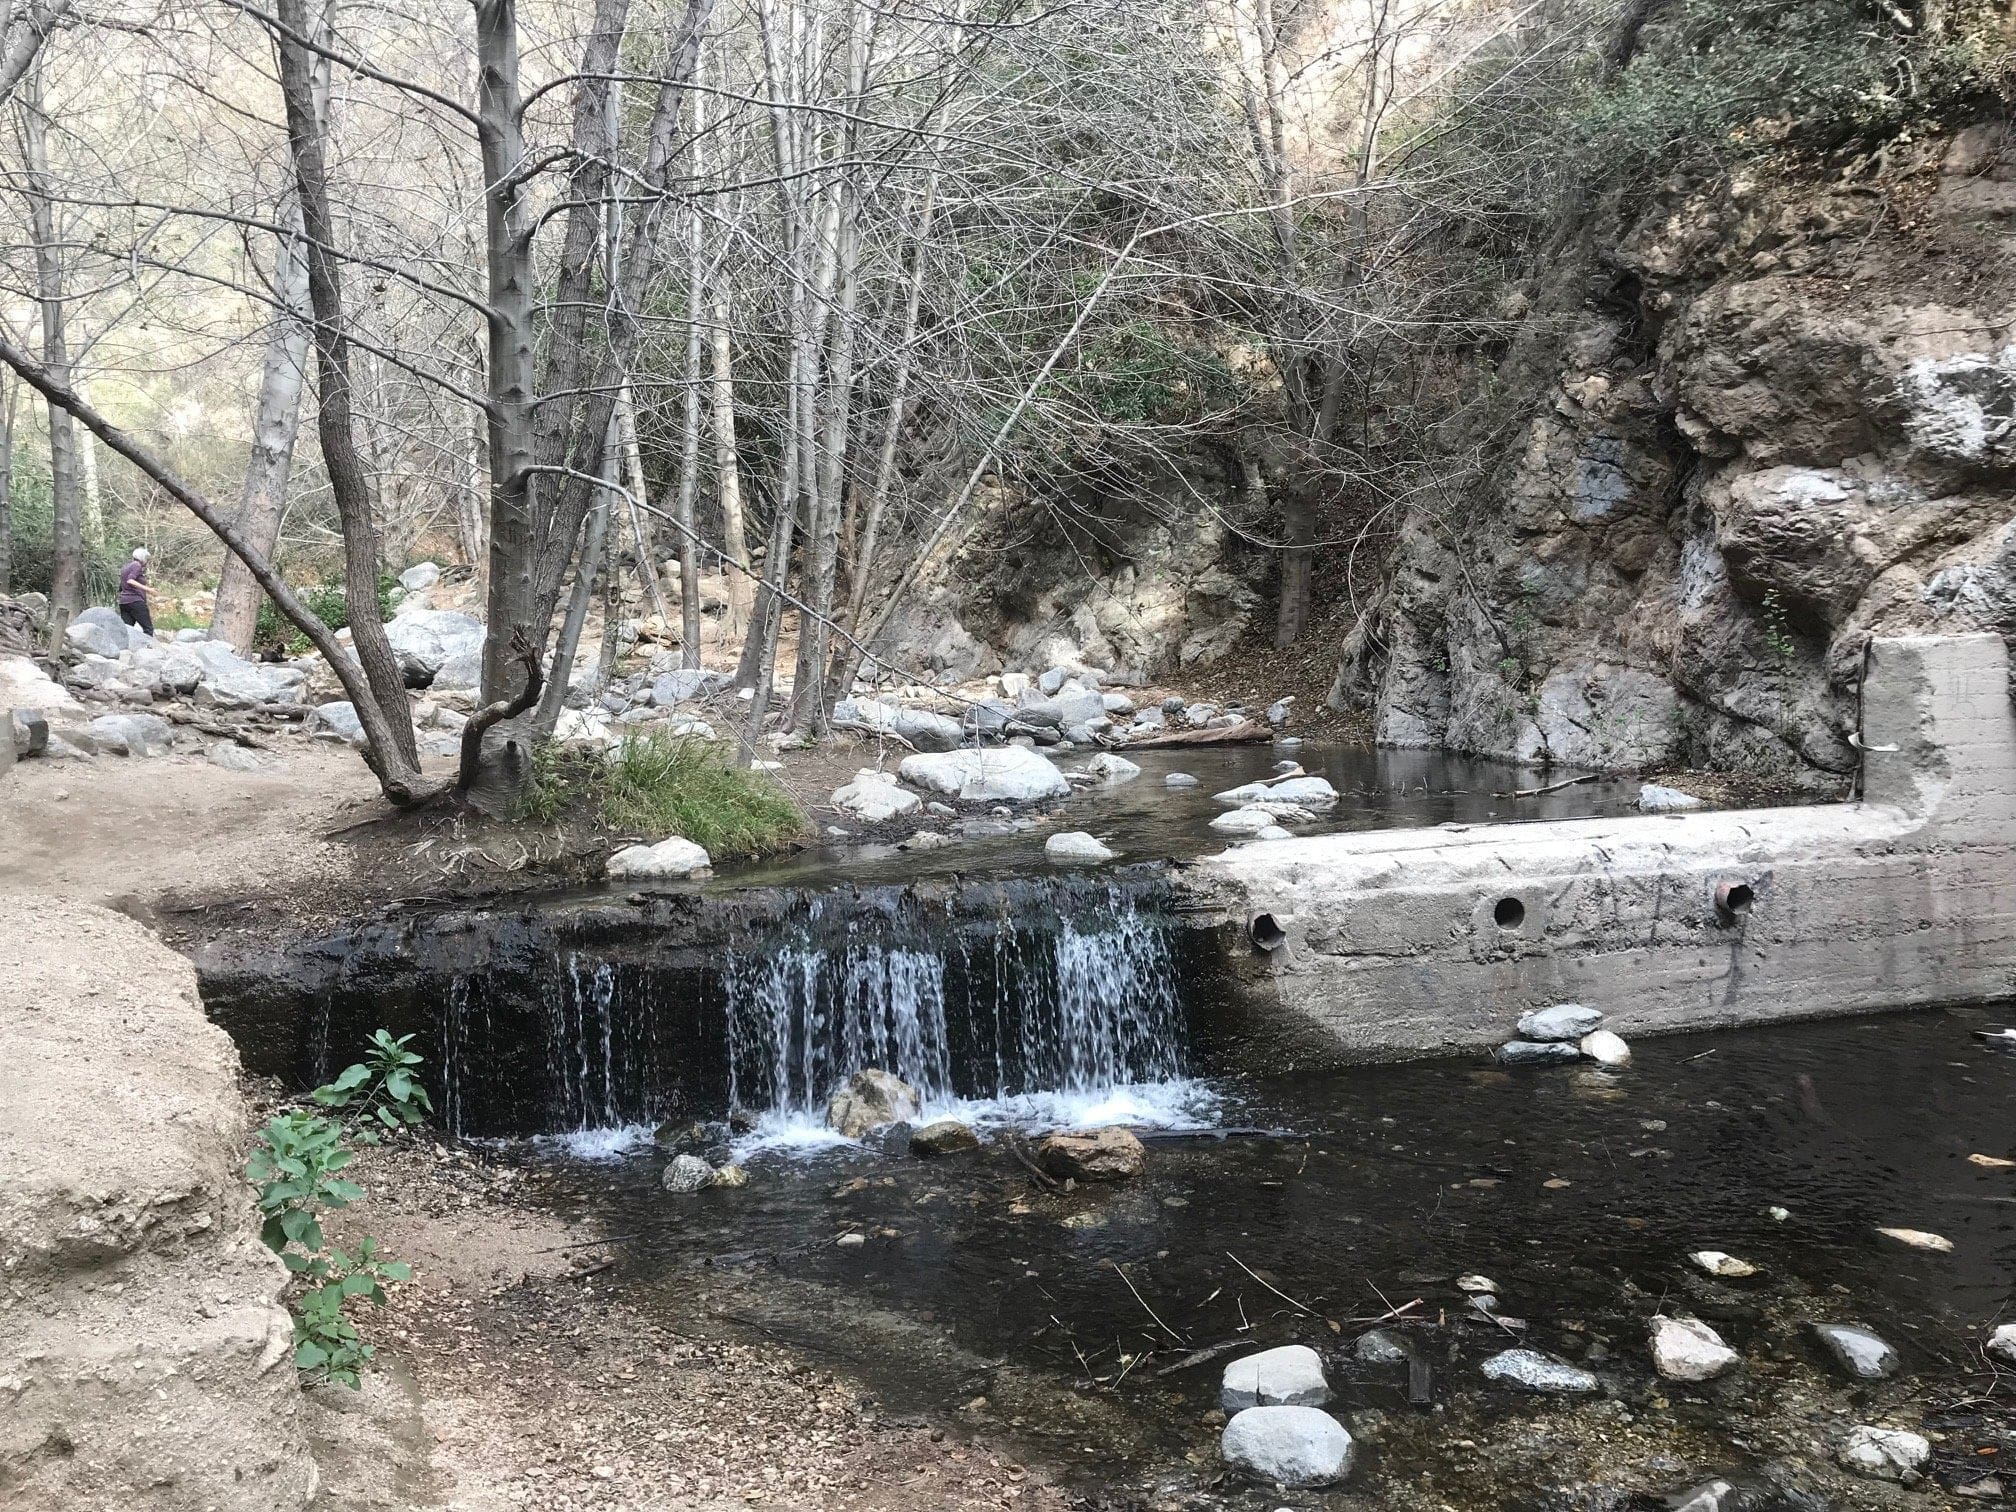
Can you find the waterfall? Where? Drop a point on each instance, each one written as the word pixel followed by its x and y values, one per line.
pixel 1038 1017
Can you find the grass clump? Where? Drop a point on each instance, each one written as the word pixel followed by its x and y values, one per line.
pixel 657 785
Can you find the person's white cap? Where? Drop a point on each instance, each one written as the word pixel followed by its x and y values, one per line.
pixel 139 553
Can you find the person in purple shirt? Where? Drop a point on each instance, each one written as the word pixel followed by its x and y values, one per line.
pixel 134 592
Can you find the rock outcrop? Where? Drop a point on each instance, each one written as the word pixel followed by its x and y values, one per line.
pixel 1780 419
pixel 145 1359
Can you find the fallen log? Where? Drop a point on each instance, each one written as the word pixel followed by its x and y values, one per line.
pixel 1552 787
pixel 1246 732
pixel 210 727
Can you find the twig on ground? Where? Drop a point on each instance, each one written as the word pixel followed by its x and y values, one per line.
pixel 1307 1312
pixel 1552 787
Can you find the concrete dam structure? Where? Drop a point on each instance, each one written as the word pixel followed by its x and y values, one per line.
pixel 1398 943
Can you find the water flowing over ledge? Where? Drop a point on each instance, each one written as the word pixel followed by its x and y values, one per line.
pixel 1037 1002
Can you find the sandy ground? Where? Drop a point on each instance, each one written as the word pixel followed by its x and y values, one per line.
pixel 514 1375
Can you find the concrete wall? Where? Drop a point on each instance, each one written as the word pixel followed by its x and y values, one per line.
pixel 1410 942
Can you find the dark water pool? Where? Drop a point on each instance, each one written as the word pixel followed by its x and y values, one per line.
pixel 1066 1316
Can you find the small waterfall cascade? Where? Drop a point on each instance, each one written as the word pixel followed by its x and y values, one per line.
pixel 1046 1002
pixel 1039 1018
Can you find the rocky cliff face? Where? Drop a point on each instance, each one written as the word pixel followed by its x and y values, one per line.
pixel 145 1359
pixel 1779 413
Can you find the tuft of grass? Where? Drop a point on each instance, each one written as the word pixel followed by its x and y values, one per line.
pixel 657 785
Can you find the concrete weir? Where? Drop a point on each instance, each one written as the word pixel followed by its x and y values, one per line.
pixel 1409 942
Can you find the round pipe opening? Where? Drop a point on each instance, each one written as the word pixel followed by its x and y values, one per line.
pixel 1509 913
pixel 1734 900
pixel 1266 932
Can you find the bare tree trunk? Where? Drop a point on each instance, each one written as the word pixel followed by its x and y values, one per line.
pixel 595 536
pixel 689 461
pixel 335 422
pixel 66 583
pixel 7 413
pixel 641 533
pixel 728 470
pixel 275 424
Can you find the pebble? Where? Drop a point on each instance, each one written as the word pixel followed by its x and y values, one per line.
pixel 1919 1239
pixel 1475 1283
pixel 1380 1347
pixel 1715 1263
pixel 1605 1048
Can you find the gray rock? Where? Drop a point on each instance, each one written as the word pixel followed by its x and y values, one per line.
pixel 1536 1052
pixel 1010 774
pixel 1244 821
pixel 1653 799
pixel 1305 792
pixel 420 577
pixel 1686 1349
pixel 185 637
pixel 29 731
pixel 1892 1454
pixel 435 636
pixel 1076 845
pixel 943 1136
pixel 1117 703
pixel 1277 712
pixel 1288 1446
pixel 687 1173
pixel 874 796
pixel 989 716
pixel 1380 1347
pixel 1564 1021
pixel 925 840
pixel 927 731
pixel 1857 1351
pixel 1709 1496
pixel 685 684
pixel 1174 704
pixel 1179 780
pixel 133 734
pixel 232 757
pixel 1529 1370
pixel 337 722
pixel 1291 1376
pixel 871 1100
pixel 99 631
pixel 1108 1154
pixel 461 673
pixel 1111 769
pixel 2002 1343
pixel 669 858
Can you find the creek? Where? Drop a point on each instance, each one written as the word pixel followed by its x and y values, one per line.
pixel 1286 1199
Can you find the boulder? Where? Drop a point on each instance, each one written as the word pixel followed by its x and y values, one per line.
pixel 98 631
pixel 927 731
pixel 27 731
pixel 1111 1154
pixel 1178 780
pixel 1564 1021
pixel 232 757
pixel 1111 769
pixel 420 577
pixel 1380 1347
pixel 870 1100
pixel 1653 799
pixel 2002 1343
pixel 335 721
pixel 1076 845
pixel 1291 1376
pixel 1305 792
pixel 1716 1263
pixel 1000 774
pixel 178 671
pixel 1892 1454
pixel 144 1349
pixel 687 1173
pixel 1537 1052
pixel 23 685
pixel 580 727
pixel 1686 1349
pixel 435 636
pixel 460 673
pixel 674 857
pixel 1274 832
pixel 1857 1351
pixel 1244 821
pixel 943 1136
pixel 1605 1048
pixel 1529 1370
pixel 246 687
pixel 1287 1446
pixel 874 796
pixel 684 684
pixel 1117 704
pixel 133 734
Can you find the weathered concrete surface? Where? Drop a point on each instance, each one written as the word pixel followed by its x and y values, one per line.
pixel 145 1360
pixel 1410 942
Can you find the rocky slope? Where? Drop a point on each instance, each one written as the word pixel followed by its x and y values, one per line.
pixel 145 1359
pixel 1779 413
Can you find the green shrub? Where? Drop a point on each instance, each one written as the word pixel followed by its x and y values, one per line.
pixel 659 785
pixel 296 1166
pixel 328 602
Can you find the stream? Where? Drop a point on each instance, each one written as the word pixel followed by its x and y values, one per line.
pixel 1287 1199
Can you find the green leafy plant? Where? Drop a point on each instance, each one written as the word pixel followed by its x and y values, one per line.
pixel 1777 630
pixel 329 602
pixel 383 1086
pixel 296 1167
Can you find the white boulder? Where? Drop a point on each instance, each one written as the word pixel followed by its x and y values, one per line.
pixel 1530 1370
pixel 1564 1021
pixel 2002 1343
pixel 420 577
pixel 1291 1376
pixel 1288 1446
pixel 998 774
pixel 668 858
pixel 23 685
pixel 1605 1048
pixel 335 721
pixel 1308 792
pixel 1892 1454
pixel 99 631
pixel 1076 845
pixel 1111 769
pixel 1654 799
pixel 874 796
pixel 133 734
pixel 1686 1349
pixel 1244 821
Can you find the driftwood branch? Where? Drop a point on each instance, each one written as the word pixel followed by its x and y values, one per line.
pixel 1246 732
pixel 493 714
pixel 1552 787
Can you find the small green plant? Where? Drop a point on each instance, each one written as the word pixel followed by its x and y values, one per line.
pixel 1777 632
pixel 328 602
pixel 296 1167
pixel 661 784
